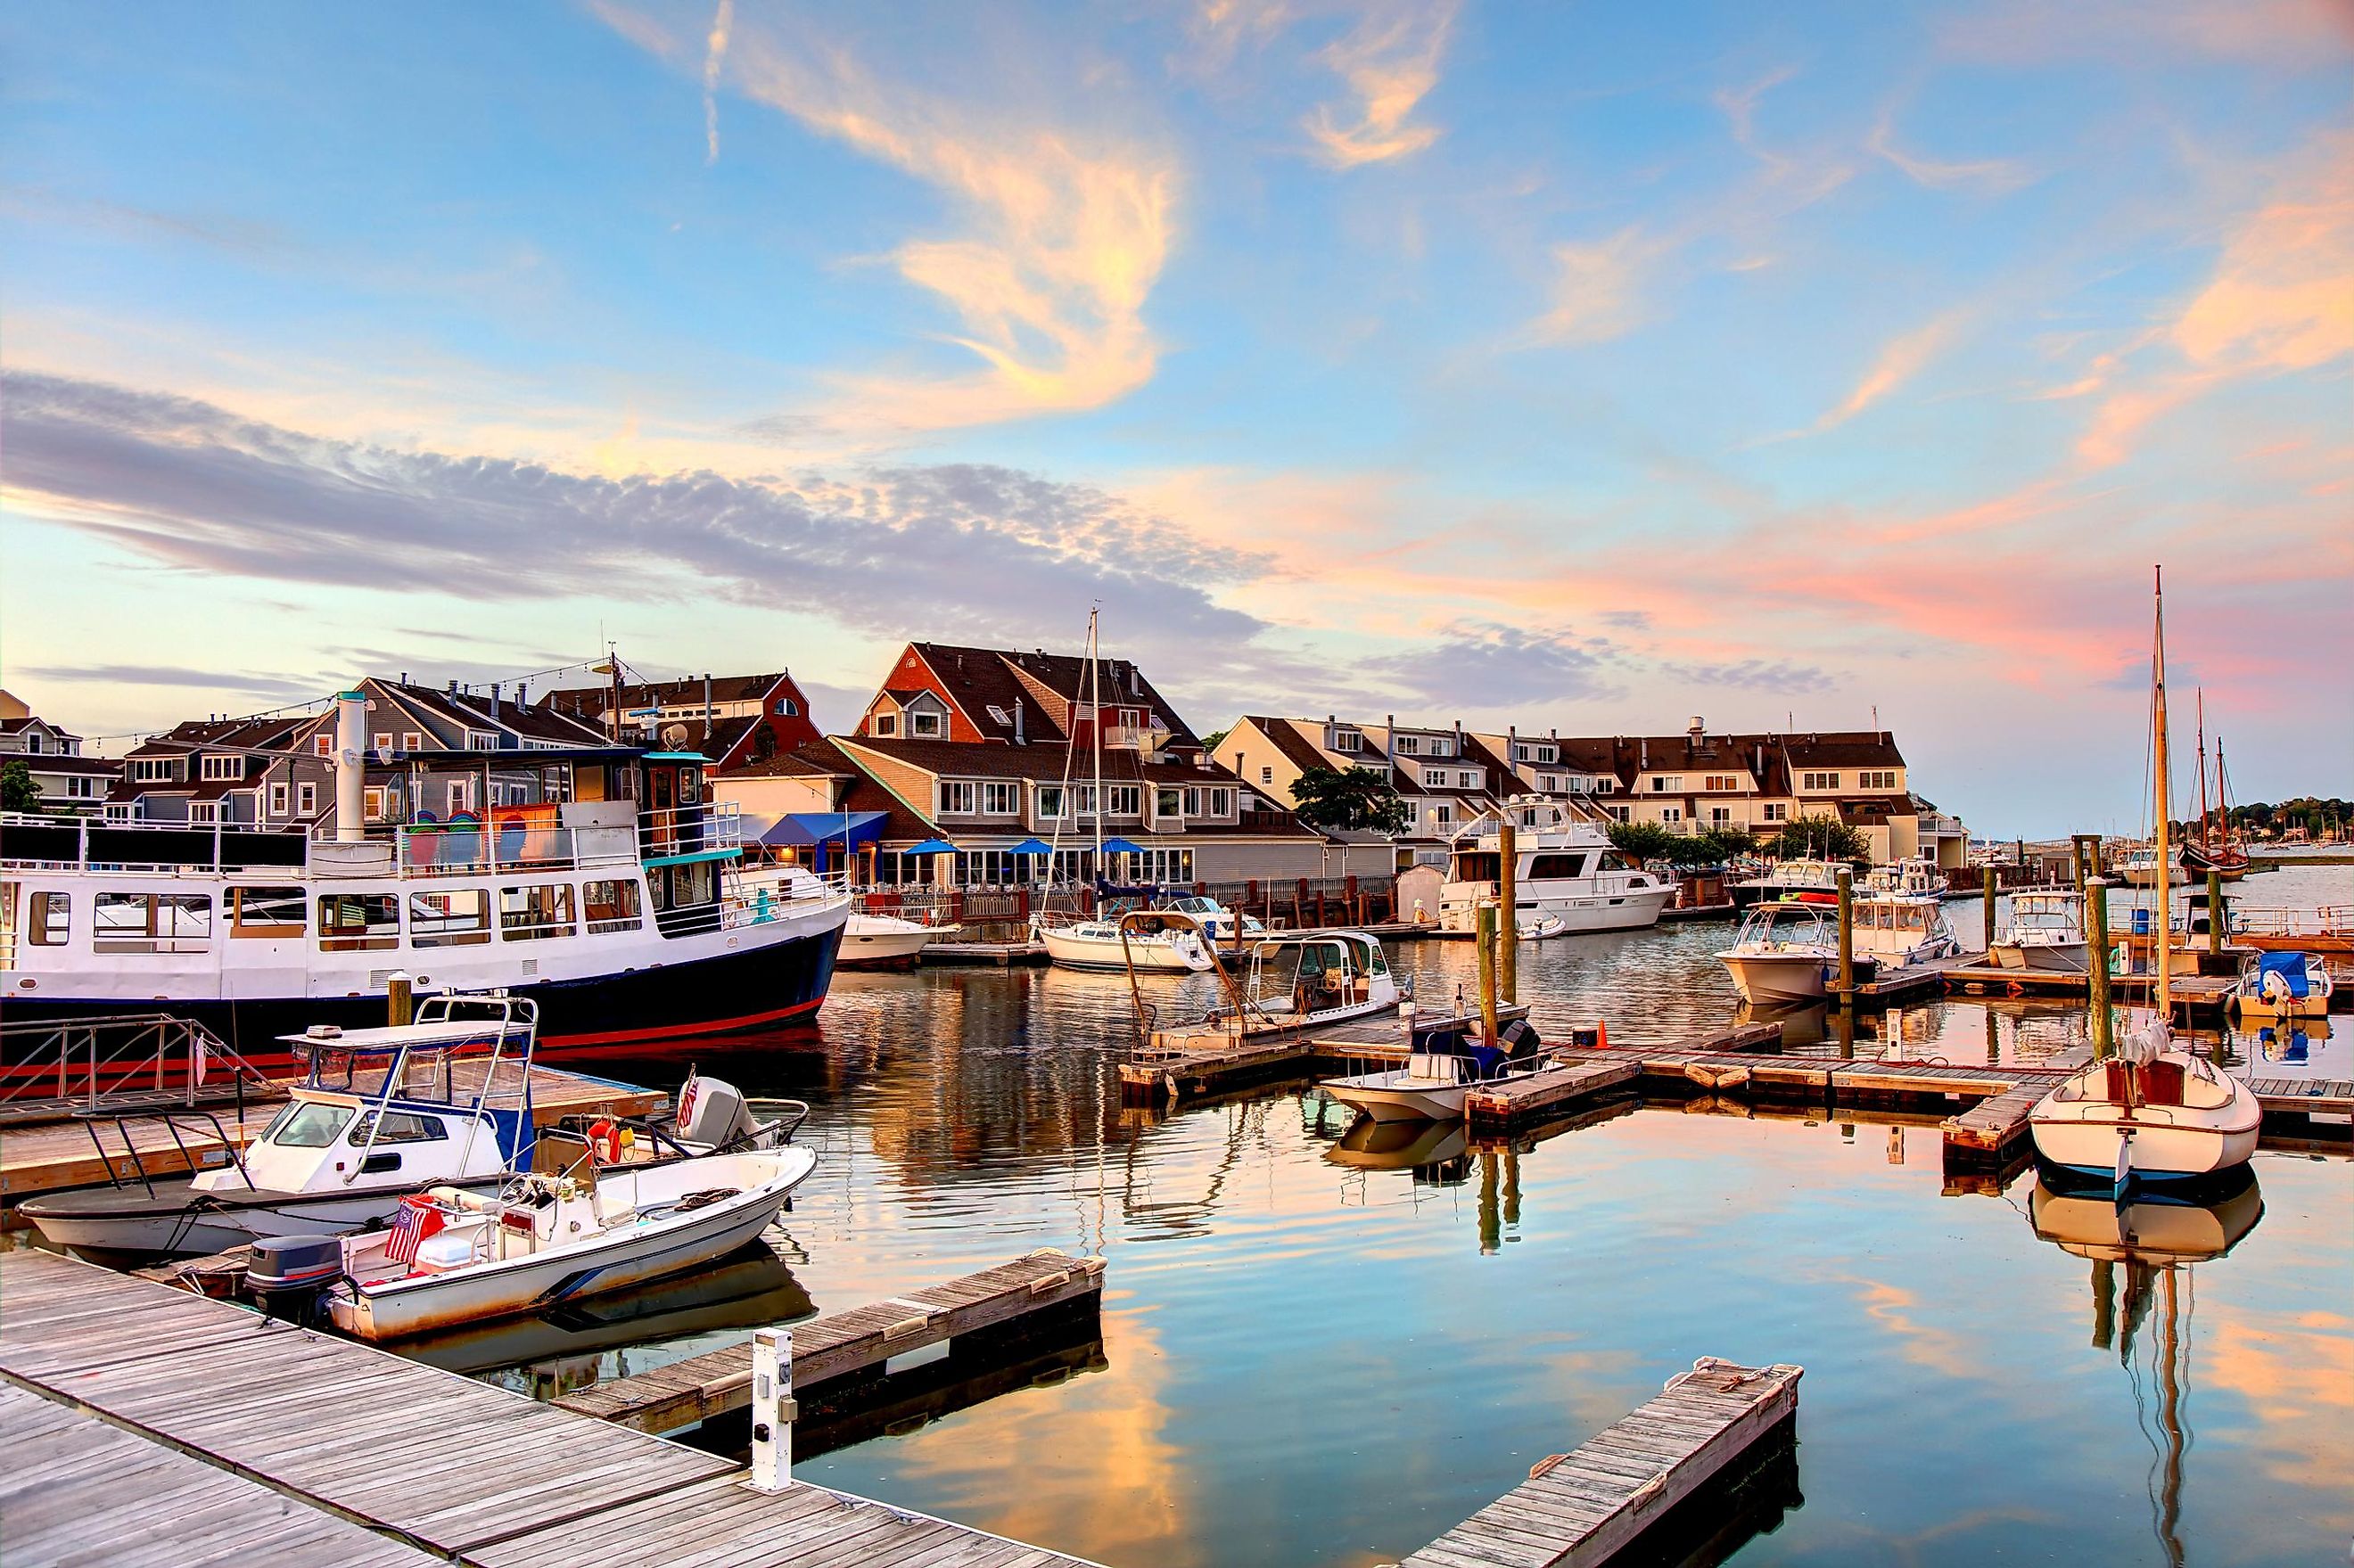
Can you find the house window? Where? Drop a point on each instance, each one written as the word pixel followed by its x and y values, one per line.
pixel 410 740
pixel 536 911
pixel 1818 781
pixel 119 813
pixel 1221 803
pixel 278 796
pixel 1050 802
pixel 1603 786
pixel 1720 816
pixel 1267 775
pixel 1527 753
pixel 1549 783
pixel 204 812
pixel 217 766
pixel 155 769
pixel 1720 781
pixel 33 742
pixel 381 740
pixel 373 802
pixel 1466 780
pixel 1348 740
pixel 957 796
pixel 1409 746
pixel 49 922
pixel 1433 777
pixel 323 744
pixel 358 922
pixel 1442 747
pixel 997 715
pixel 787 708
pixel 460 918
pixel 151 923
pixel 1622 813
pixel 1666 784
pixel 306 799
pixel 481 740
pixel 1671 813
pixel 81 787
pixel 1168 801
pixel 1776 812
pixel 611 906
pixel 265 912
pixel 1440 816
pixel 887 724
pixel 924 724
pixel 1000 798
pixel 1875 780
pixel 461 795
pixel 1124 799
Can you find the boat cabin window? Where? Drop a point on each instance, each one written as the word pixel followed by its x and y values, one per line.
pixel 1544 867
pixel 1617 859
pixel 151 923
pixel 48 923
pixel 1474 865
pixel 1376 960
pixel 266 912
pixel 358 922
pixel 308 1124
pixel 534 911
pixel 399 1126
pixel 612 907
pixel 460 918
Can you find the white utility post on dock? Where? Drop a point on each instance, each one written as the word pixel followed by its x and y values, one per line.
pixel 773 1410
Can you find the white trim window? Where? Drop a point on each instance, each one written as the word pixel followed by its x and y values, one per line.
pixel 280 794
pixel 155 769
pixel 886 726
pixel 1001 798
pixel 1666 784
pixel 411 741
pixel 216 765
pixel 1168 801
pixel 1467 781
pixel 958 796
pixel 380 741
pixel 787 708
pixel 1409 746
pixel 323 743
pixel 1433 777
pixel 1776 812
pixel 204 813
pixel 1818 780
pixel 1050 802
pixel 306 799
pixel 925 725
pixel 481 740
pixel 1123 799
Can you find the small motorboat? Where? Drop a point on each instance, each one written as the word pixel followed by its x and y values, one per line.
pixel 1899 928
pixel 1291 982
pixel 1783 952
pixel 1217 922
pixel 711 1117
pixel 1807 879
pixel 1541 927
pixel 2045 933
pixel 885 941
pixel 1447 1061
pixel 2282 985
pixel 453 1257
pixel 445 1100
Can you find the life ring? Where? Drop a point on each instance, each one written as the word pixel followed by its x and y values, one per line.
pixel 605 1142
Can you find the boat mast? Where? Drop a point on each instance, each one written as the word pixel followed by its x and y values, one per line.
pixel 1095 725
pixel 2164 874
pixel 2206 829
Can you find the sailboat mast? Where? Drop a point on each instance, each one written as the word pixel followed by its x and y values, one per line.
pixel 1095 725
pixel 2164 874
pixel 2205 829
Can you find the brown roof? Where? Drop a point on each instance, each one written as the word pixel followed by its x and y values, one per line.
pixel 59 762
pixel 809 762
pixel 978 679
pixel 981 677
pixel 586 702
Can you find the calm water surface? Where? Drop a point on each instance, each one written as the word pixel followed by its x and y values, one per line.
pixel 1307 1361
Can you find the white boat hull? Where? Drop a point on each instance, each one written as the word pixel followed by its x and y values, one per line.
pixel 1777 978
pixel 873 939
pixel 2054 957
pixel 1401 1101
pixel 1578 914
pixel 2079 1126
pixel 1149 956
pixel 166 1225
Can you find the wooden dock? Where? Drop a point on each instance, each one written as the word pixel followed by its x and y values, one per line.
pixel 47 1156
pixel 1582 1509
pixel 1551 1090
pixel 844 1344
pixel 997 955
pixel 344 1452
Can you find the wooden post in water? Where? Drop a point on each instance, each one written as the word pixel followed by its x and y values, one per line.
pixel 2214 910
pixel 399 1006
pixel 1846 936
pixel 2096 962
pixel 1988 883
pixel 1486 941
pixel 1508 915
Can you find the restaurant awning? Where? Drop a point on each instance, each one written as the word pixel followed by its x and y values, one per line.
pixel 821 828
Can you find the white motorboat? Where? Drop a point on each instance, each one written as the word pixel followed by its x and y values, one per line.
pixel 2154 1111
pixel 2137 867
pixel 1295 980
pixel 453 1256
pixel 1786 878
pixel 1916 877
pixel 2045 932
pixel 1783 953
pixel 1173 945
pixel 1218 922
pixel 1446 1062
pixel 1899 928
pixel 1570 874
pixel 445 1100
pixel 875 941
pixel 2282 985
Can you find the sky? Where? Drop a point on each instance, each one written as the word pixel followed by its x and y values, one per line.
pixel 1585 367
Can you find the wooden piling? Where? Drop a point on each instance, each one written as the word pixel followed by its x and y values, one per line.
pixel 1486 928
pixel 2214 911
pixel 2096 964
pixel 399 1002
pixel 1988 885
pixel 1508 923
pixel 1846 936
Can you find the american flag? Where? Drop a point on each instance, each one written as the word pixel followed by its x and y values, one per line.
pixel 408 1231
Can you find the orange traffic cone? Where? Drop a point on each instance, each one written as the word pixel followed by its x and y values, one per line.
pixel 1602 1035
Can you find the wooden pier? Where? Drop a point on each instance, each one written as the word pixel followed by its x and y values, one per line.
pixel 295 1447
pixel 1585 1508
pixel 69 1151
pixel 844 1344
pixel 996 954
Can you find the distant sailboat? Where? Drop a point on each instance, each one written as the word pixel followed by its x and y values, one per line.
pixel 2153 1111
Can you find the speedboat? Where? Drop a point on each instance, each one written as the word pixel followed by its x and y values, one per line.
pixel 1783 952
pixel 2046 932
pixel 1150 944
pixel 445 1100
pixel 1294 981
pixel 1917 877
pixel 1804 880
pixel 2138 868
pixel 879 940
pixel 1446 1062
pixel 1570 874
pixel 453 1257
pixel 2282 985
pixel 1218 922
pixel 1901 928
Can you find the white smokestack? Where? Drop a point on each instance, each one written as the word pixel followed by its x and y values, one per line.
pixel 351 768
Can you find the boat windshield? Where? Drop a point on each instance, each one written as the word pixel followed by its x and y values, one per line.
pixel 1618 860
pixel 307 1124
pixel 1780 923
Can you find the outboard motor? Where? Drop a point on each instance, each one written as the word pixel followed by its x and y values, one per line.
pixel 286 1276
pixel 716 1117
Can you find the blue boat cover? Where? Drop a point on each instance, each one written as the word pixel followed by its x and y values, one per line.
pixel 2290 966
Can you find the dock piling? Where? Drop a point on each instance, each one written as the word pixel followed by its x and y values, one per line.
pixel 400 1003
pixel 1508 900
pixel 2096 964
pixel 1846 936
pixel 2214 911
pixel 1987 884
pixel 1486 929
pixel 773 1410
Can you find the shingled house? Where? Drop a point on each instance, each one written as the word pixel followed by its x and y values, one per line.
pixel 734 720
pixel 67 780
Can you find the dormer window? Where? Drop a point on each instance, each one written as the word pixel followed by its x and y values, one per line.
pixel 997 715
pixel 924 725
pixel 787 708
pixel 481 740
pixel 216 767
pixel 33 742
pixel 1348 740
pixel 887 724
pixel 1409 746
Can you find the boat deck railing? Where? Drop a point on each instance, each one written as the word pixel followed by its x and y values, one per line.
pixel 132 1061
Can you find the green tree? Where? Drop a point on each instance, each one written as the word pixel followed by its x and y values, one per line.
pixel 1820 838
pixel 1730 843
pixel 1209 741
pixel 19 789
pixel 1348 800
pixel 1646 840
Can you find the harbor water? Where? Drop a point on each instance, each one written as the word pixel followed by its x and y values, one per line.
pixel 1317 1350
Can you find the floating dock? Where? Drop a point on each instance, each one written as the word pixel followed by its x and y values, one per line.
pixel 77 1150
pixel 996 954
pixel 220 1409
pixel 1586 1507
pixel 845 1344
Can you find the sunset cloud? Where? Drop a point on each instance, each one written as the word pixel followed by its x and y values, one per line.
pixel 714 55
pixel 1391 63
pixel 2282 295
pixel 1900 360
pixel 1597 289
pixel 1994 177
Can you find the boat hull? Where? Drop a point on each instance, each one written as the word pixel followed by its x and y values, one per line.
pixel 170 1224
pixel 764 984
pixel 1579 914
pixel 2159 1142
pixel 1403 1102
pixel 2053 957
pixel 1147 956
pixel 1775 977
pixel 874 948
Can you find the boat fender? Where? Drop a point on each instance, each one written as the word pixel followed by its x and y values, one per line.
pixel 2014 988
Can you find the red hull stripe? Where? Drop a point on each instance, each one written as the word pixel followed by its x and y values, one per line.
pixel 675 1031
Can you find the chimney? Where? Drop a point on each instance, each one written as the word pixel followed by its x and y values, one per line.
pixel 1017 722
pixel 1389 743
pixel 706 705
pixel 453 685
pixel 404 677
pixel 495 699
pixel 1646 758
pixel 1697 730
pixel 523 698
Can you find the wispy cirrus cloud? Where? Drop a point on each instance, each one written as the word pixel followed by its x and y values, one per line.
pixel 1597 289
pixel 1390 61
pixel 1993 176
pixel 715 58
pixel 1900 359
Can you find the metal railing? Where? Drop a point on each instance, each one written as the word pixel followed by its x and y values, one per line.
pixel 95 1064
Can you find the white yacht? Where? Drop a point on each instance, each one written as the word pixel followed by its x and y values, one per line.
pixel 1900 929
pixel 2045 931
pixel 1570 874
pixel 612 899
pixel 1783 952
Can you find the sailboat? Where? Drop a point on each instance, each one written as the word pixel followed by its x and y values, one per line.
pixel 2152 1111
pixel 2214 848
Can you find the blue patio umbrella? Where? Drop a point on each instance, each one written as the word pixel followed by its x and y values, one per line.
pixel 931 846
pixel 1121 846
pixel 1032 846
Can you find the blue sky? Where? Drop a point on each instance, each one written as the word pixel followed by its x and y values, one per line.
pixel 1579 366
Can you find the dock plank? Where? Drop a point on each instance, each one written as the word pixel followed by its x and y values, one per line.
pixel 1578 1509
